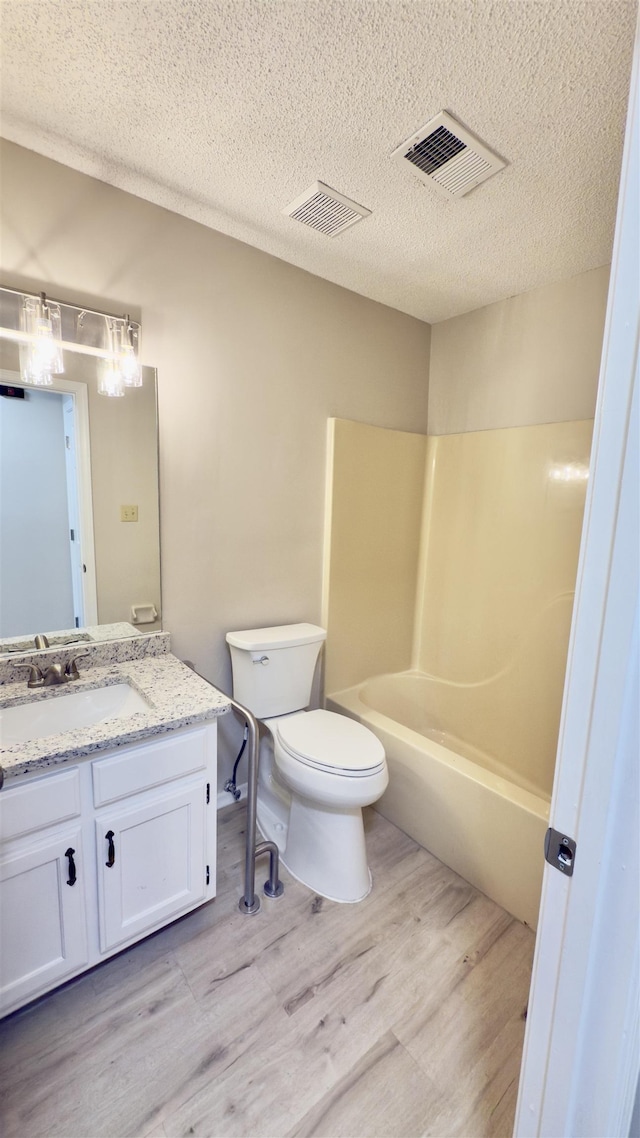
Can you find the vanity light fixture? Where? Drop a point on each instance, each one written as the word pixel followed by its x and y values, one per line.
pixel 43 329
pixel 40 351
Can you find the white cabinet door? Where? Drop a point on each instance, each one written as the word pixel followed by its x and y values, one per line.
pixel 151 861
pixel 43 936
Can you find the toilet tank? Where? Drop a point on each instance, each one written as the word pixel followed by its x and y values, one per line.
pixel 273 668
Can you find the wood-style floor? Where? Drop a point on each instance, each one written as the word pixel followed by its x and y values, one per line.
pixel 403 1015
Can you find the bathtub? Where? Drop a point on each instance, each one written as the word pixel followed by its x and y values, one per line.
pixel 458 801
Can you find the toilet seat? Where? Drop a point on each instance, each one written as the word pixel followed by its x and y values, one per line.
pixel 331 743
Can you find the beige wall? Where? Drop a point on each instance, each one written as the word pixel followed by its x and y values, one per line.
pixel 534 358
pixel 253 356
pixel 373 540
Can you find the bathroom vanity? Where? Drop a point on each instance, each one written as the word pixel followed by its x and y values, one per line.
pixel 108 829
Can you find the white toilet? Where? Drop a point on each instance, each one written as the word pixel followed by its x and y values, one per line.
pixel 317 769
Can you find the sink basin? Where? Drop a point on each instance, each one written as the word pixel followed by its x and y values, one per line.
pixel 67 711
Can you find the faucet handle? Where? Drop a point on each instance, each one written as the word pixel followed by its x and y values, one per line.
pixel 71 670
pixel 36 679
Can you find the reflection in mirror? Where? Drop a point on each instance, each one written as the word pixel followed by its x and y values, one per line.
pixel 79 510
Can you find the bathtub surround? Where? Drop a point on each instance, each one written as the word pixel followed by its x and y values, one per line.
pixel 471 730
pixel 372 516
pixel 501 536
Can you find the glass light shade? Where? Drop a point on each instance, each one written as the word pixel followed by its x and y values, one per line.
pixel 41 354
pixel 110 381
pixel 128 362
pixel 110 378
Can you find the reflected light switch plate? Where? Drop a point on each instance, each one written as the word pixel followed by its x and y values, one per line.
pixel 128 513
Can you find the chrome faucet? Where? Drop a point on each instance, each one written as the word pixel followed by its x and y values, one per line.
pixel 54 674
pixel 41 641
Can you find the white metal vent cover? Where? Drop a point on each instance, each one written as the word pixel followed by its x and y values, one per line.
pixel 326 210
pixel 448 157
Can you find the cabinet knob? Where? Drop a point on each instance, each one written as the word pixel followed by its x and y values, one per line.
pixel 111 855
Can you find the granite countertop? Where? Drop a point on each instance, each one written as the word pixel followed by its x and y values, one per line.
pixel 177 697
pixel 63 637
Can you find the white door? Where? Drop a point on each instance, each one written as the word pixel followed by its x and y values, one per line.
pixel 151 862
pixel 582 1046
pixel 43 934
pixel 20 566
pixel 35 572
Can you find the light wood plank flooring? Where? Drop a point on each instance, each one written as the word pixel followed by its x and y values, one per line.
pixel 400 1016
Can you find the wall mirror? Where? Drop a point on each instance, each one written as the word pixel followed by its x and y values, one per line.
pixel 79 503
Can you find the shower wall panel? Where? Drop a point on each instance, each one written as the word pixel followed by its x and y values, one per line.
pixel 500 540
pixel 373 517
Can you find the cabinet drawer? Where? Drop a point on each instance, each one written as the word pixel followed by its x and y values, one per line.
pixel 38 803
pixel 151 764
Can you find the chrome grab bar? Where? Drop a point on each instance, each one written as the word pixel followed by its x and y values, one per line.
pixel 249 903
pixel 273 887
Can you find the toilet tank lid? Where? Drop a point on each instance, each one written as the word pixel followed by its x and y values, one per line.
pixel 280 636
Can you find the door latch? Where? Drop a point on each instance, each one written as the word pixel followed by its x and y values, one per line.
pixel 560 851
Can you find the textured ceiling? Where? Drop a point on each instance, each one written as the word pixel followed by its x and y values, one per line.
pixel 226 112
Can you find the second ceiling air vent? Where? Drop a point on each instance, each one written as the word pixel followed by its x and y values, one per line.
pixel 448 157
pixel 326 210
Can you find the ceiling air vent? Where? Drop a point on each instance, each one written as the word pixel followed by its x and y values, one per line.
pixel 326 210
pixel 448 157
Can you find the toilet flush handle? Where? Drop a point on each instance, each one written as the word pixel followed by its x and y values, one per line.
pixel 255 659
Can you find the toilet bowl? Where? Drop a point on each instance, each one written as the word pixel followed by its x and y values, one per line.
pixel 317 769
pixel 322 840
